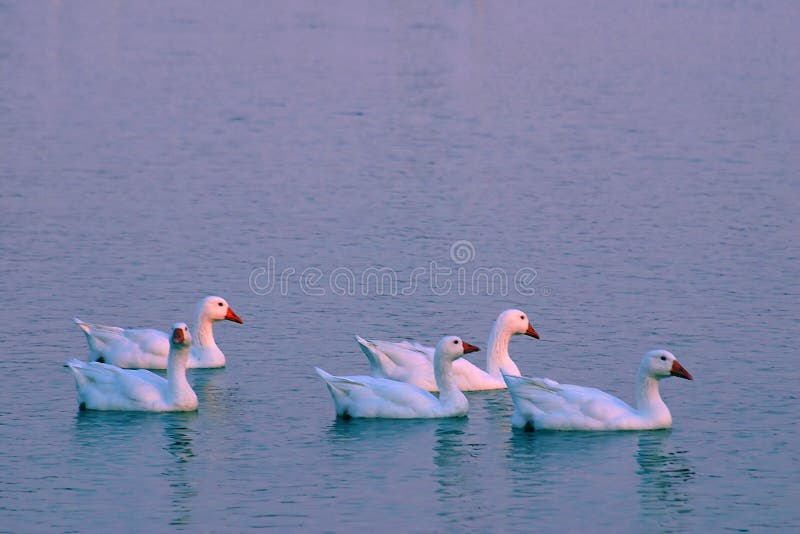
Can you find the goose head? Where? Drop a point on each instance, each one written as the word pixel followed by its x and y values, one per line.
pixel 453 347
pixel 181 337
pixel 661 364
pixel 217 309
pixel 516 322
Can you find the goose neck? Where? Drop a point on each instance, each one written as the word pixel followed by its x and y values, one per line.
pixel 497 356
pixel 648 398
pixel 203 336
pixel 176 370
pixel 448 389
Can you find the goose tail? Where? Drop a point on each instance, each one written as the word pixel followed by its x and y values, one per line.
pixel 379 363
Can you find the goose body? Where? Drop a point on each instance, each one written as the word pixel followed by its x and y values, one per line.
pixel 413 363
pixel 544 404
pixel 372 397
pixel 107 387
pixel 148 349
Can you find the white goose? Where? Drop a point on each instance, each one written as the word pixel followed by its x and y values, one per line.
pixel 148 349
pixel 368 396
pixel 541 403
pixel 107 387
pixel 413 363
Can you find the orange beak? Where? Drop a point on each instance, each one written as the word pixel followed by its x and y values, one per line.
pixel 177 336
pixel 531 331
pixel 469 348
pixel 678 370
pixel 231 316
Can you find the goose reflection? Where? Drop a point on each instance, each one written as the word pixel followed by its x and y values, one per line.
pixel 396 430
pixel 130 435
pixel 544 464
pixel 359 438
pixel 98 431
pixel 179 433
pixel 179 438
pixel 451 453
pixel 459 478
pixel 664 472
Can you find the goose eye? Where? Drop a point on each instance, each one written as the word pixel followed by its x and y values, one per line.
pixel 455 342
pixel 663 358
pixel 522 317
pixel 219 304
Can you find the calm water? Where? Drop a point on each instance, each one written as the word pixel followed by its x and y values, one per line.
pixel 637 164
